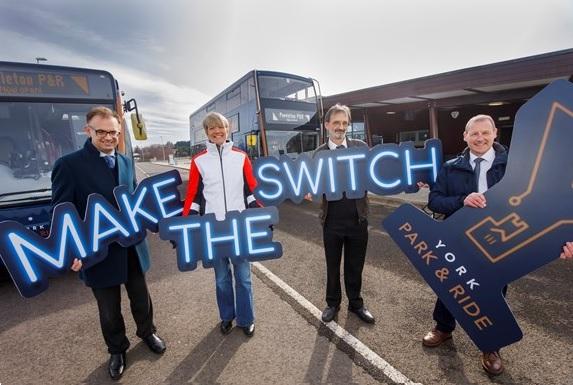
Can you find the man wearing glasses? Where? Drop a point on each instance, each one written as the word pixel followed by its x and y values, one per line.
pixel 345 227
pixel 98 168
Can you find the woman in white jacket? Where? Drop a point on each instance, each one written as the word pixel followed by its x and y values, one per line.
pixel 221 180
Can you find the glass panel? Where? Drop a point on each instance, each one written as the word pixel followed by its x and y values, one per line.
pixel 356 131
pixel 32 137
pixel 290 142
pixel 233 99
pixel 221 105
pixel 418 137
pixel 284 88
pixel 233 123
pixel 309 142
pixel 252 91
pixel 244 92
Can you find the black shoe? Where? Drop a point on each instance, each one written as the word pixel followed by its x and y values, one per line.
pixel 116 365
pixel 155 344
pixel 329 313
pixel 249 330
pixel 363 314
pixel 226 327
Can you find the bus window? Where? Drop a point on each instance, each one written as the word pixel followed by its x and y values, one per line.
pixel 244 92
pixel 233 99
pixel 291 143
pixel 32 137
pixel 284 88
pixel 252 92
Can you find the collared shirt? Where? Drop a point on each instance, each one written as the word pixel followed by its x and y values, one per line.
pixel 485 165
pixel 103 154
pixel 332 145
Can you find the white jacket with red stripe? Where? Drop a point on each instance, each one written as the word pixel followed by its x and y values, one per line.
pixel 220 180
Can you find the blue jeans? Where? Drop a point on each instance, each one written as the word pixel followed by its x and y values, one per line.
pixel 243 306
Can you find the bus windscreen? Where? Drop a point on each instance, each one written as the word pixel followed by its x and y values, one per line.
pixel 53 83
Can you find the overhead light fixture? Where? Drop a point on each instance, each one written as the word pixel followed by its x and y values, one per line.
pixel 492 104
pixel 390 112
pixel 504 118
pixel 454 114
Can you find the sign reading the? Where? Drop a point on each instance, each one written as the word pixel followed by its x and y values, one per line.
pixel 384 169
pixel 468 258
pixel 242 235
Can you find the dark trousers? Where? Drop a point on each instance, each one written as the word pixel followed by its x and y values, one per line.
pixel 353 238
pixel 445 321
pixel 109 305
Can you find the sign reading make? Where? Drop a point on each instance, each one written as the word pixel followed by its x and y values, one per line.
pixel 469 257
pixel 155 206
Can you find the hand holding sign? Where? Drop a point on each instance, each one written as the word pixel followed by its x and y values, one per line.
pixel 567 251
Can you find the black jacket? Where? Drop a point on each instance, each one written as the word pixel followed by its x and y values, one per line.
pixel 361 203
pixel 456 181
pixel 77 175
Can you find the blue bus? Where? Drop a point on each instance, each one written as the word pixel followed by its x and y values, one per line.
pixel 42 117
pixel 270 113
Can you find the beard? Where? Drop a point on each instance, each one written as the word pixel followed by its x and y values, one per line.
pixel 339 133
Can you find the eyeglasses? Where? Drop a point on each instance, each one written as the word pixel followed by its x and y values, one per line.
pixel 104 133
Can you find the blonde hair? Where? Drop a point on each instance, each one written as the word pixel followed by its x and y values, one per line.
pixel 215 119
pixel 480 118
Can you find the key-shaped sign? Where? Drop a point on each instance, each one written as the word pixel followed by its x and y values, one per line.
pixel 469 257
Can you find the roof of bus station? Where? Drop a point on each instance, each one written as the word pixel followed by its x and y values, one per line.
pixel 507 80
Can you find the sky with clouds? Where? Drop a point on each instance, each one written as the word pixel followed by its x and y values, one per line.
pixel 174 55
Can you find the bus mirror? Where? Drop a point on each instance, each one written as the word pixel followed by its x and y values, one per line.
pixel 138 126
pixel 251 140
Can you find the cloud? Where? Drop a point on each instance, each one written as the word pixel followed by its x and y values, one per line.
pixel 166 106
pixel 169 55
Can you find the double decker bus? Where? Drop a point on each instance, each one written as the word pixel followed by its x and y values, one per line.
pixel 42 117
pixel 270 114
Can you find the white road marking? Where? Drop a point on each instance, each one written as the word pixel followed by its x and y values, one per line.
pixel 143 171
pixel 367 356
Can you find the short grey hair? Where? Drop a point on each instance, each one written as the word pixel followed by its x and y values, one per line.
pixel 337 108
pixel 480 118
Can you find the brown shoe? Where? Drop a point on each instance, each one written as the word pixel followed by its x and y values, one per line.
pixel 491 363
pixel 435 338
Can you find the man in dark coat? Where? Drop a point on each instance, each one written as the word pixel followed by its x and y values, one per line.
pixel 98 168
pixel 462 182
pixel 345 226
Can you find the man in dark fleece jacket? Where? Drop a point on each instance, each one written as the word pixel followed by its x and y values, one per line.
pixel 462 182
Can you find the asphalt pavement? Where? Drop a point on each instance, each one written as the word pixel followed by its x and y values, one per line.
pixel 55 338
